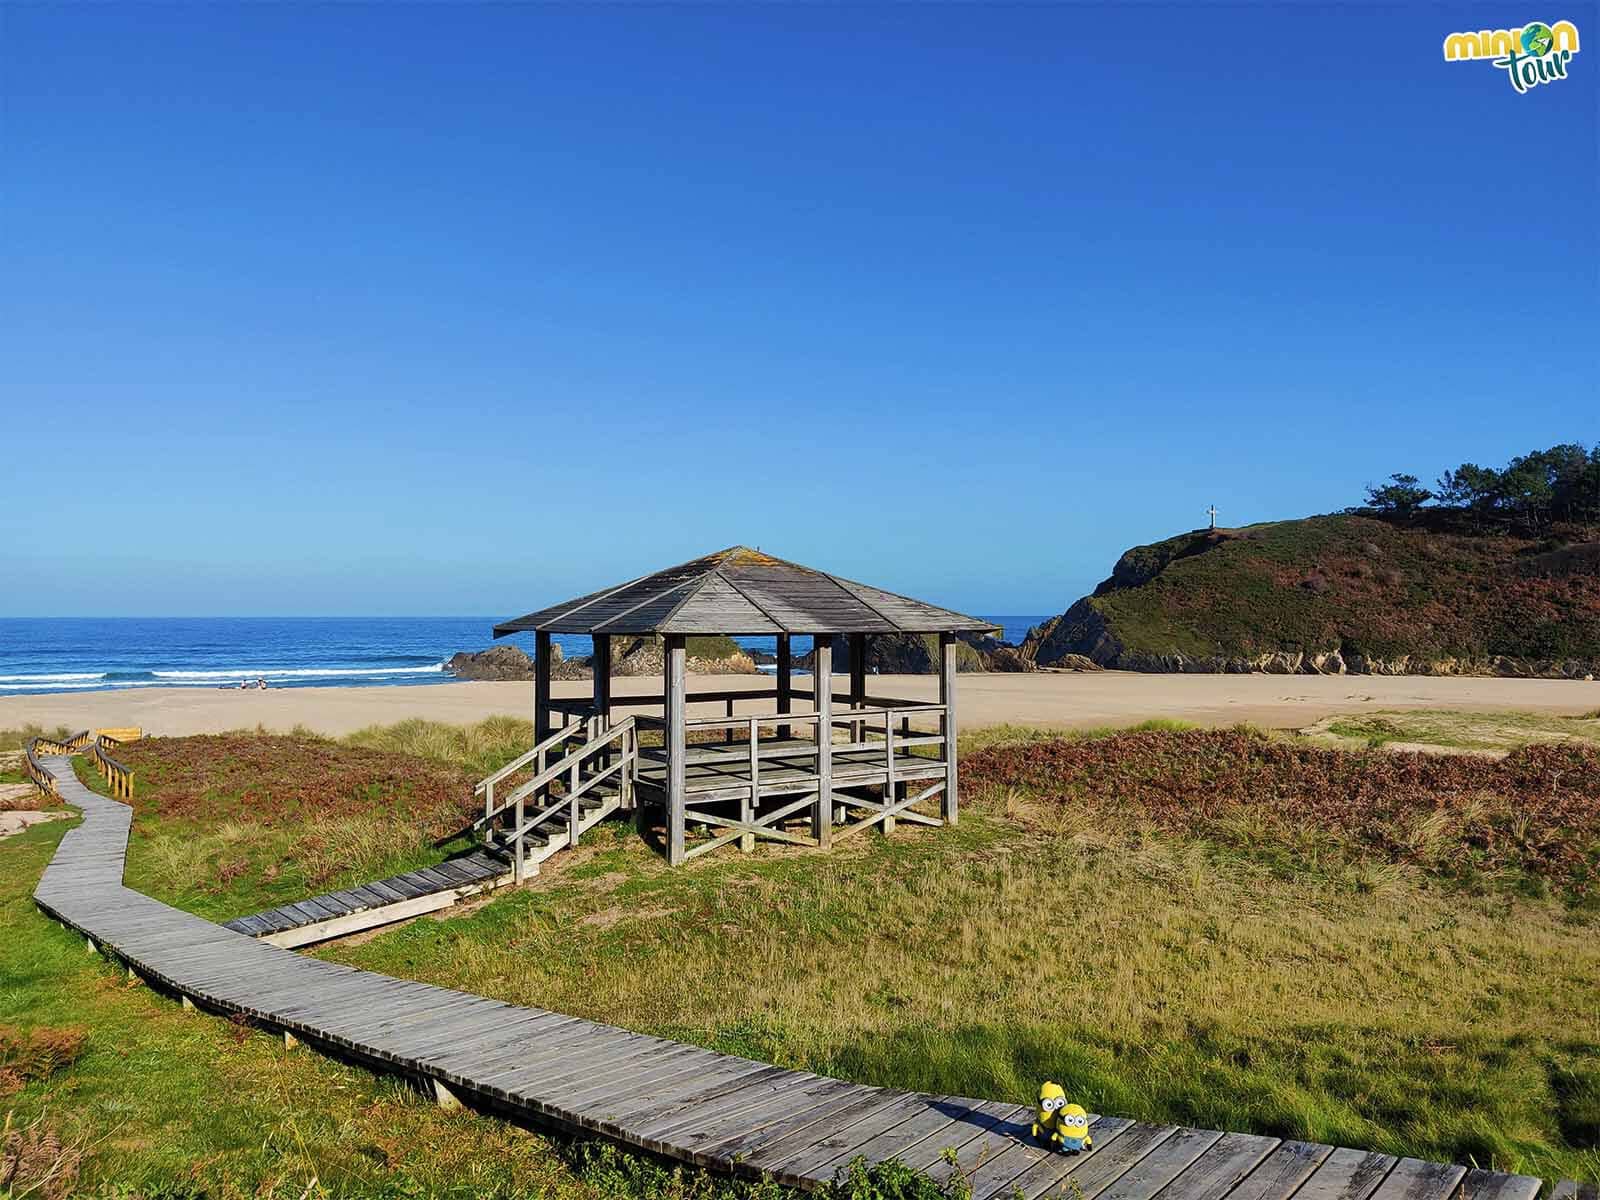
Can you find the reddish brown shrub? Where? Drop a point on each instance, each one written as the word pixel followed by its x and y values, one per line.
pixel 38 1053
pixel 273 780
pixel 1536 812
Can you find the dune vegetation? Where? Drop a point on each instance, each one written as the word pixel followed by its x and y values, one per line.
pixel 1222 929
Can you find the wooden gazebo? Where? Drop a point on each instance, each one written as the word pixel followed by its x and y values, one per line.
pixel 845 761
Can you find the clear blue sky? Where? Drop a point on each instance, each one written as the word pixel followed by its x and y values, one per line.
pixel 411 310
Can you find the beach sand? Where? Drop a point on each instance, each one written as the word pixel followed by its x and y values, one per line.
pixel 1047 699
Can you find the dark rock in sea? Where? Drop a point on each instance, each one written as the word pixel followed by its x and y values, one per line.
pixel 497 662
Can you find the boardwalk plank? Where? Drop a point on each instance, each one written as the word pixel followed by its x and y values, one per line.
pixel 1413 1179
pixel 1347 1175
pixel 1099 1171
pixel 1283 1171
pixel 1495 1185
pixel 996 1177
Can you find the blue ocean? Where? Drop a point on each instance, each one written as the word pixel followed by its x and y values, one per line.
pixel 50 654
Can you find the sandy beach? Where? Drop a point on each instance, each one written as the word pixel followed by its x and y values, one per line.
pixel 1051 700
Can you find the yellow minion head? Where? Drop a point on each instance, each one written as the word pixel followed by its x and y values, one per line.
pixel 1072 1127
pixel 1051 1099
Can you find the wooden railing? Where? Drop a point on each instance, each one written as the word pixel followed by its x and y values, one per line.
pixel 37 775
pixel 116 774
pixel 885 730
pixel 581 705
pixel 607 754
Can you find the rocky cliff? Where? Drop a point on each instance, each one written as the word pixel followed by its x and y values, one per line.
pixel 1341 594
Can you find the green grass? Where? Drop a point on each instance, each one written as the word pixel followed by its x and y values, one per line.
pixel 17 739
pixel 1158 976
pixel 1493 731
pixel 161 1103
pixel 1007 735
pixel 1155 978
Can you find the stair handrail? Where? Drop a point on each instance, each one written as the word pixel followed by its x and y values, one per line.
pixel 573 762
pixel 584 787
pixel 516 764
pixel 37 774
pixel 117 774
pixel 564 766
pixel 545 776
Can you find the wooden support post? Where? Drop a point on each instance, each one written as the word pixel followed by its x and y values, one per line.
pixel 444 1097
pixel 890 795
pixel 601 664
pixel 573 809
pixel 518 868
pixel 573 780
pixel 950 807
pixel 90 947
pixel 602 679
pixel 822 676
pixel 290 1042
pixel 133 976
pixel 188 1004
pixel 675 685
pixel 785 681
pixel 748 805
pixel 858 682
pixel 541 687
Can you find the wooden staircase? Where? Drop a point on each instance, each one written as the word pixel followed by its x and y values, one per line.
pixel 581 774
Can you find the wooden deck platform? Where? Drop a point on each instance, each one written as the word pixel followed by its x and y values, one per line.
pixel 788 766
pixel 689 1104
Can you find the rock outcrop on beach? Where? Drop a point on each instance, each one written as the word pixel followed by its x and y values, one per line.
pixel 918 654
pixel 629 656
pixel 497 662
pixel 1342 594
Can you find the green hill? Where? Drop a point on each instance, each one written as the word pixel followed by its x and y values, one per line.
pixel 1332 594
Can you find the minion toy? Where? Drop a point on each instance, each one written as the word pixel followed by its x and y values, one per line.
pixel 1046 1121
pixel 1072 1129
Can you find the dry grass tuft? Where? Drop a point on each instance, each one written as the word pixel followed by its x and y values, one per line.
pixel 35 1161
pixel 27 1057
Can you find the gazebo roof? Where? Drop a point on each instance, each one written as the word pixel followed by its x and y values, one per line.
pixel 740 590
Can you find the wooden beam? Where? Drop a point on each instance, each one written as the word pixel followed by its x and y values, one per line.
pixel 675 687
pixel 785 680
pixel 858 680
pixel 858 670
pixel 822 672
pixel 601 662
pixel 541 687
pixel 947 723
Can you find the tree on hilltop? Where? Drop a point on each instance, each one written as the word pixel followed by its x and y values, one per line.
pixel 1401 496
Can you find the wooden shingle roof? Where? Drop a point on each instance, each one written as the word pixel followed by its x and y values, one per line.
pixel 740 590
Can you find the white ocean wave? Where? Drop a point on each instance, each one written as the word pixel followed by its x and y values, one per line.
pixel 70 687
pixel 297 672
pixel 33 679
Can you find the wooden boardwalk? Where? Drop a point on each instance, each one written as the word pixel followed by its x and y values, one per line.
pixel 689 1104
pixel 398 898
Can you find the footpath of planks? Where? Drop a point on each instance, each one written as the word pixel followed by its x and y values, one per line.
pixel 382 902
pixel 683 1102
